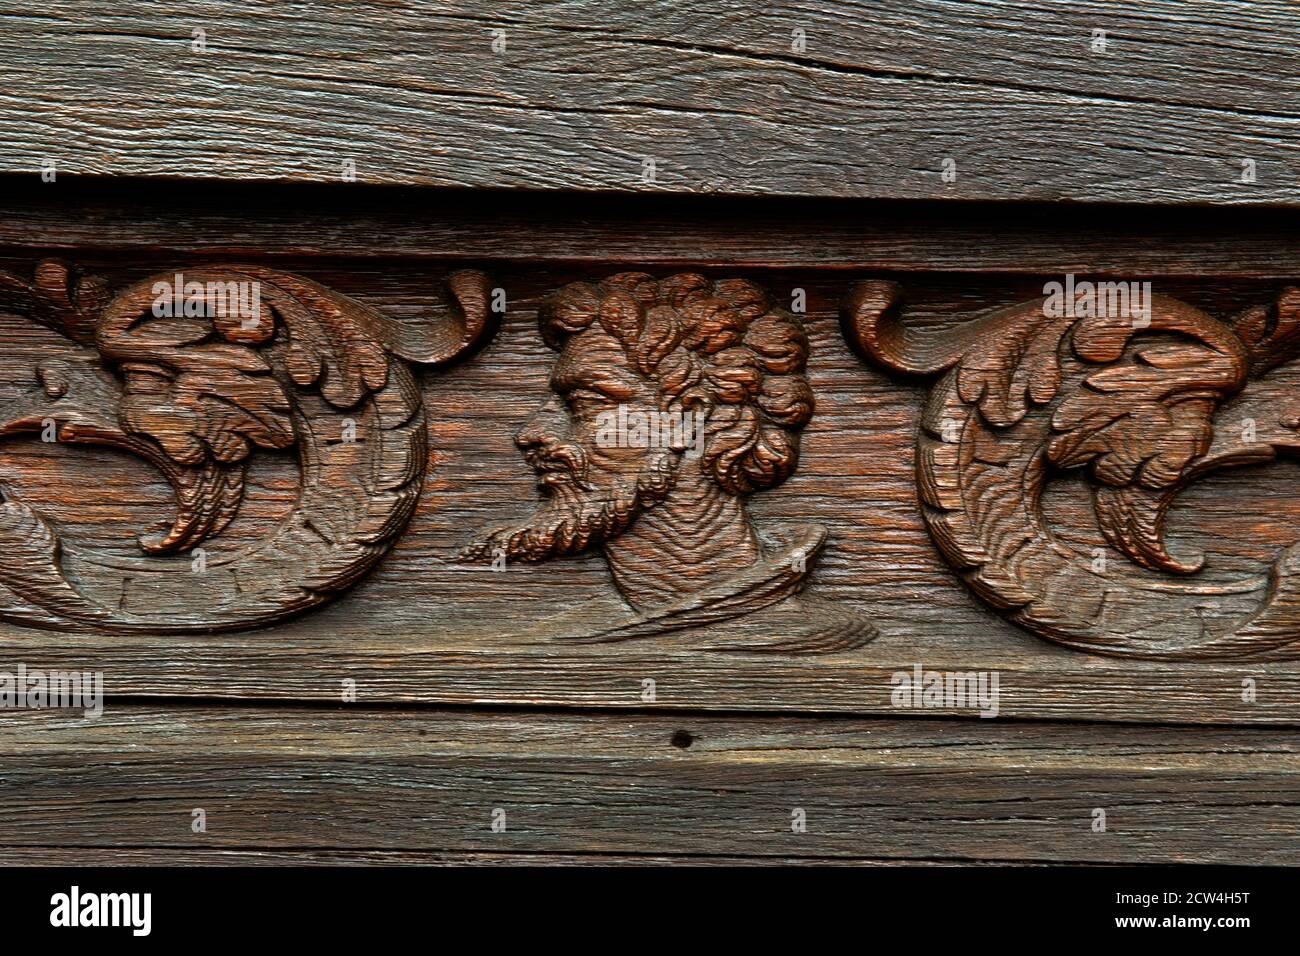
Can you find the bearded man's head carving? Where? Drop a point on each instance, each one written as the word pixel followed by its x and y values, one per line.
pixel 672 400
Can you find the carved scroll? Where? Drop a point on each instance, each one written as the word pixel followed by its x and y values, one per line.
pixel 195 387
pixel 1030 392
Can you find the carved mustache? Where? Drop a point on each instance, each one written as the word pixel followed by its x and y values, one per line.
pixel 557 461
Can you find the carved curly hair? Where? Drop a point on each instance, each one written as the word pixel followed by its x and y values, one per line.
pixel 716 347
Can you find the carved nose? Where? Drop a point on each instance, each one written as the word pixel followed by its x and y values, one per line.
pixel 530 435
pixel 540 429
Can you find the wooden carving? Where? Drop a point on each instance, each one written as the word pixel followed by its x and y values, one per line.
pixel 170 370
pixel 1144 403
pixel 674 400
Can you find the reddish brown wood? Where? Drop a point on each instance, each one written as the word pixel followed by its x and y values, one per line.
pixel 192 372
pixel 1128 386
pixel 425 626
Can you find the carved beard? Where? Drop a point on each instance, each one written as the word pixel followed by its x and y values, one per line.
pixel 575 515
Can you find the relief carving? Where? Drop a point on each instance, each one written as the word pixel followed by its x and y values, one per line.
pixel 673 401
pixel 1139 403
pixel 195 387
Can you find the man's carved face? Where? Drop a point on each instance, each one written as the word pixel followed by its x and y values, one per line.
pixel 591 489
pixel 653 377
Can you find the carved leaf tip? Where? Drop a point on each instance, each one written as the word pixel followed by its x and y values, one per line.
pixel 1132 518
pixel 1271 332
pixel 871 322
pixel 467 322
pixel 57 296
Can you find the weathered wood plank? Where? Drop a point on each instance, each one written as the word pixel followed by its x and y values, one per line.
pixel 866 99
pixel 303 780
pixel 363 223
pixel 44 856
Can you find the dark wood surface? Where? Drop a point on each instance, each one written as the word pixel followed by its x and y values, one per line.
pixel 424 628
pixel 318 784
pixel 473 227
pixel 721 96
pixel 465 702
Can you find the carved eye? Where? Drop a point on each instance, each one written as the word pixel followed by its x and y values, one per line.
pixel 584 402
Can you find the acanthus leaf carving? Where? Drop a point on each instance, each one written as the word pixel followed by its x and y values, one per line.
pixel 1021 395
pixel 1027 392
pixel 195 391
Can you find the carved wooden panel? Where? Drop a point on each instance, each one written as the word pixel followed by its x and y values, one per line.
pixel 640 423
pixel 900 463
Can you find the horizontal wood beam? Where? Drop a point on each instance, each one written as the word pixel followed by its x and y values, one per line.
pixel 1156 101
pixel 367 223
pixel 294 781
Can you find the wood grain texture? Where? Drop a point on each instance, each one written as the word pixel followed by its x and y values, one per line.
pixel 661 749
pixel 303 780
pixel 373 223
pixel 422 628
pixel 722 97
pixel 44 856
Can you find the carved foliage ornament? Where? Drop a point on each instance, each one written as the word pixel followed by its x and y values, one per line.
pixel 195 391
pixel 1026 393
pixel 1023 395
